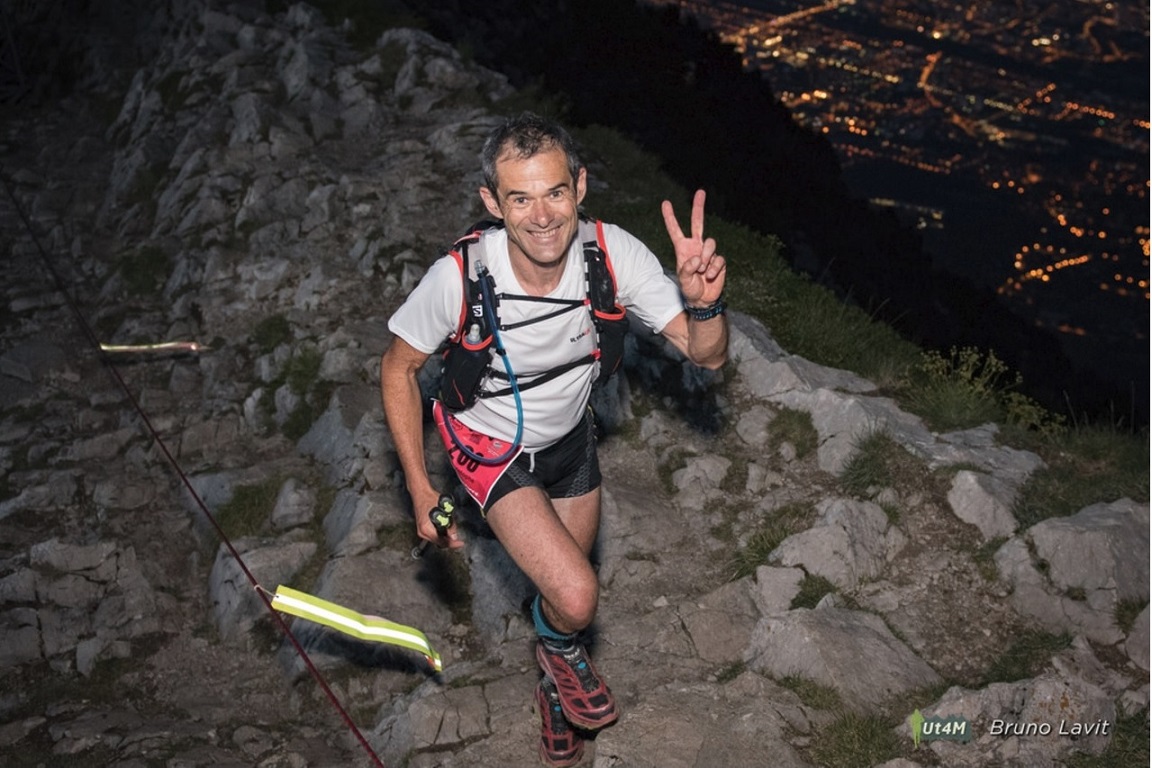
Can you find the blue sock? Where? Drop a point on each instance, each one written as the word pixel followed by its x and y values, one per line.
pixel 547 633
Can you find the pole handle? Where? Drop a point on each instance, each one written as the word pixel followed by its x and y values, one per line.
pixel 441 516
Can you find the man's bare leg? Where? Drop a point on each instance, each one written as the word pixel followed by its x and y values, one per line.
pixel 550 539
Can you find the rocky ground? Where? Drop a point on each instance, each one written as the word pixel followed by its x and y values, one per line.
pixel 279 175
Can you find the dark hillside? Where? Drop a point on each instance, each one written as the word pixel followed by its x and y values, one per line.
pixel 680 94
pixel 684 96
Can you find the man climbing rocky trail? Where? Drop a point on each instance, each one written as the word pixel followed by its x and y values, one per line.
pixel 260 187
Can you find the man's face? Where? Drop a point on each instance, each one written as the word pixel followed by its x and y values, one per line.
pixel 537 198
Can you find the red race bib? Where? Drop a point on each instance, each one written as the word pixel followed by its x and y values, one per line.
pixel 476 476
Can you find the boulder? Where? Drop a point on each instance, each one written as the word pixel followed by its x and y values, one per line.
pixel 826 645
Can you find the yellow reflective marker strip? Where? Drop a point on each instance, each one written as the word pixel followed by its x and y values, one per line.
pixel 371 628
pixel 167 346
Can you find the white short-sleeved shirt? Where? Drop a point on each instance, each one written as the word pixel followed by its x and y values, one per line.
pixel 431 312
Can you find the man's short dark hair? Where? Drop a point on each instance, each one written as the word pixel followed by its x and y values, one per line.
pixel 524 136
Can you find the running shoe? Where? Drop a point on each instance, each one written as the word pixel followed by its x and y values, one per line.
pixel 584 697
pixel 560 744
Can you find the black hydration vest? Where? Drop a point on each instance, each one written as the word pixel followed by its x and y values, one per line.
pixel 468 358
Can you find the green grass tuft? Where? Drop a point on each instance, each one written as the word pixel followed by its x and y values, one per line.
pixel 1026 657
pixel 1126 613
pixel 730 672
pixel 813 694
pixel 870 466
pixel 795 427
pixel 1128 746
pixel 1089 464
pixel 984 559
pixel 144 270
pixel 781 524
pixel 271 332
pixel 813 588
pixel 854 740
pixel 959 391
pixel 248 511
pixel 303 370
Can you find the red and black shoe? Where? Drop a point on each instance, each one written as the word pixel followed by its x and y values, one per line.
pixel 560 744
pixel 584 697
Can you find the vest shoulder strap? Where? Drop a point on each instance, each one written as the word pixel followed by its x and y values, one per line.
pixel 600 299
pixel 601 279
pixel 472 306
pixel 598 265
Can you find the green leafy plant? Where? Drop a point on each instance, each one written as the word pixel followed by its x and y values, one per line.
pixel 967 388
pixel 960 390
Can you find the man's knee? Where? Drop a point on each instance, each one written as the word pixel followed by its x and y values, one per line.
pixel 574 604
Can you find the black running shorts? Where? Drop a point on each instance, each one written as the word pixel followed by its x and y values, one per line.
pixel 566 469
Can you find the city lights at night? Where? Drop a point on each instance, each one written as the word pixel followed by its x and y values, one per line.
pixel 999 130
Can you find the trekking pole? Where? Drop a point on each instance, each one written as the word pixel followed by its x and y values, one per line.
pixel 441 517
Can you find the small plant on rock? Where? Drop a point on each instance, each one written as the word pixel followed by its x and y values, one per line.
pixel 812 693
pixel 870 465
pixel 1126 613
pixel 879 462
pixel 1026 657
pixel 794 427
pixel 782 523
pixel 247 512
pixel 959 390
pixel 984 558
pixel 813 588
pixel 1128 745
pixel 271 332
pixel 1088 464
pixel 853 740
pixel 144 270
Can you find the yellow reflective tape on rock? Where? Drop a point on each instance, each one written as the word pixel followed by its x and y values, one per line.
pixel 371 628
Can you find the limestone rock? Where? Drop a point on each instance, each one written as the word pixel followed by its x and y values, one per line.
pixel 826 645
pixel 851 543
pixel 1071 573
pixel 984 501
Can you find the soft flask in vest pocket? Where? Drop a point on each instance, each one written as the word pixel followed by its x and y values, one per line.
pixel 466 365
pixel 611 327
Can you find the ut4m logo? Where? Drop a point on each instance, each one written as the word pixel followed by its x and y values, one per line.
pixel 953 728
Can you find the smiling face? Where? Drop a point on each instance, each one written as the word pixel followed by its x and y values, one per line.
pixel 538 200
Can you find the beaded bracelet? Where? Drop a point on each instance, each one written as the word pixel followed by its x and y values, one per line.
pixel 715 309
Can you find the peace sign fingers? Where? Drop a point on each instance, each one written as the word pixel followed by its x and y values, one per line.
pixel 698 267
pixel 696 222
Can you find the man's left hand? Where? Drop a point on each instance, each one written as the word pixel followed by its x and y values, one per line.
pixel 699 268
